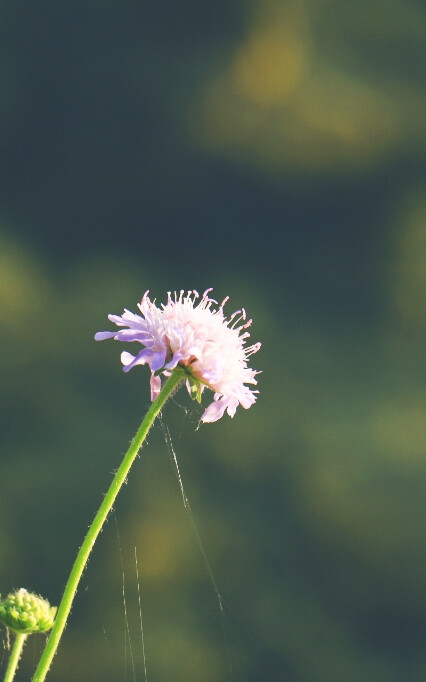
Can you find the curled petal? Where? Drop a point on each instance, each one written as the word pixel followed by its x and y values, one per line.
pixel 129 361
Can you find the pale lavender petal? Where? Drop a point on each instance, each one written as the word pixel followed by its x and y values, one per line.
pixel 213 374
pixel 247 399
pixel 158 360
pixel 128 318
pixel 129 361
pixel 177 357
pixel 155 383
pixel 118 320
pixel 128 315
pixel 214 411
pixel 133 335
pixel 126 358
pixel 100 336
pixel 196 351
pixel 232 404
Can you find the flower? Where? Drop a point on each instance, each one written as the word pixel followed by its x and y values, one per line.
pixel 195 337
pixel 26 612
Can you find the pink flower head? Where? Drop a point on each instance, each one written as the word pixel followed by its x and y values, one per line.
pixel 197 338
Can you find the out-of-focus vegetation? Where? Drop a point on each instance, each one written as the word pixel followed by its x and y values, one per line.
pixel 320 85
pixel 272 150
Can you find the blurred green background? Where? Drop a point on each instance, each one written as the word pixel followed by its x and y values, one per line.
pixel 275 151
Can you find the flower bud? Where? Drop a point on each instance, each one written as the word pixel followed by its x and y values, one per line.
pixel 25 612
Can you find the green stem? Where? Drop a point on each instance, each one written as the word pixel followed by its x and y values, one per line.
pixel 18 644
pixel 94 530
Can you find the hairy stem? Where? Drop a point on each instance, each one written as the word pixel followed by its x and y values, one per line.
pixel 15 656
pixel 94 530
